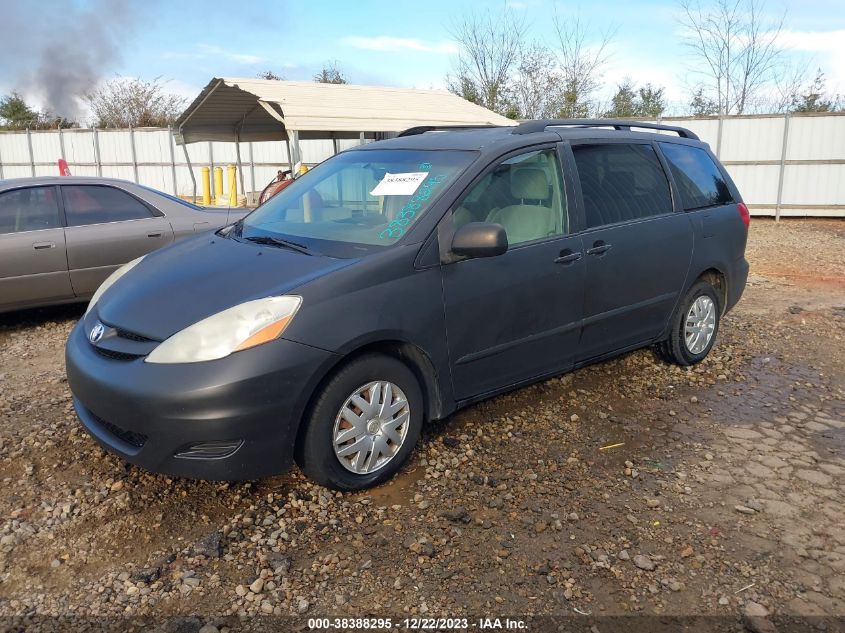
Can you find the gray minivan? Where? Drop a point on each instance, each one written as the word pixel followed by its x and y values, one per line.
pixel 400 281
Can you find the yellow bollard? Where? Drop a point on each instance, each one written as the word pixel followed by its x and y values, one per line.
pixel 233 186
pixel 206 186
pixel 218 186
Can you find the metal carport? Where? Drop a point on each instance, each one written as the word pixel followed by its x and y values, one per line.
pixel 242 109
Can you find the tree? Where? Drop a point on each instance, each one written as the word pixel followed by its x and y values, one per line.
pixel 733 49
pixel 814 97
pixel 645 102
pixel 122 102
pixel 269 74
pixel 652 103
pixel 581 65
pixel 623 103
pixel 537 84
pixel 490 46
pixel 331 74
pixel 16 114
pixel 702 105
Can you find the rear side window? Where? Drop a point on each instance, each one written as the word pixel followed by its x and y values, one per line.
pixel 92 204
pixel 621 182
pixel 700 182
pixel 29 209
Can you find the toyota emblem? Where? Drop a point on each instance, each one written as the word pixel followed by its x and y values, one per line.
pixel 96 333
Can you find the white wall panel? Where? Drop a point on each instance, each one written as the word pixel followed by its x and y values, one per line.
pixel 816 138
pixel 758 184
pixel 79 147
pixel 752 139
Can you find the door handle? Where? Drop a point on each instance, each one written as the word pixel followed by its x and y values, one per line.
pixel 42 245
pixel 599 248
pixel 154 234
pixel 567 257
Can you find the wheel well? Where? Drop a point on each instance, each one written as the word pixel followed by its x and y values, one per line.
pixel 407 353
pixel 716 278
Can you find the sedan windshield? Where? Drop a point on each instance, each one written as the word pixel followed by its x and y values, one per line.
pixel 356 202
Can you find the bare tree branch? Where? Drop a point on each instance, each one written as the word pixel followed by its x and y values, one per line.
pixel 122 102
pixel 490 47
pixel 581 64
pixel 735 51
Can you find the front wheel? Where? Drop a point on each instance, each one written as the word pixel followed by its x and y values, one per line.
pixel 694 326
pixel 364 424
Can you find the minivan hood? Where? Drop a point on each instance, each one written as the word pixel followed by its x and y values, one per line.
pixel 201 276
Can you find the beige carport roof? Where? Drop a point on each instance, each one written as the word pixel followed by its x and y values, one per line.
pixel 232 109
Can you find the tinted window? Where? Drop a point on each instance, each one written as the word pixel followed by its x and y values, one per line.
pixel 621 182
pixel 524 194
pixel 699 180
pixel 92 204
pixel 29 209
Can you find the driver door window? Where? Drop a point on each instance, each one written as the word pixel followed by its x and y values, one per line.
pixel 524 194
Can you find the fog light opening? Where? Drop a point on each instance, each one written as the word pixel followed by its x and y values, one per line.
pixel 210 450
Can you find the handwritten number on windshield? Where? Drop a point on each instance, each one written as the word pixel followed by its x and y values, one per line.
pixel 396 228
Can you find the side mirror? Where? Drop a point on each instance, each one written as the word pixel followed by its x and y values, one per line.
pixel 480 239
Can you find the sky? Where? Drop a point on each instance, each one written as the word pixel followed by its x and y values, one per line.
pixel 376 42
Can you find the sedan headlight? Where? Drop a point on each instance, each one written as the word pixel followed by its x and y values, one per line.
pixel 109 282
pixel 235 329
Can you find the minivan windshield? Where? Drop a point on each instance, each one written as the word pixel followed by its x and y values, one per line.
pixel 356 202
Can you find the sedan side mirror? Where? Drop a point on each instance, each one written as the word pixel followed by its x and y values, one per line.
pixel 480 239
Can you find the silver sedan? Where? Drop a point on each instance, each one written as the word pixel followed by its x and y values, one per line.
pixel 60 237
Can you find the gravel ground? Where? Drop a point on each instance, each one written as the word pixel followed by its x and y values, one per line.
pixel 722 495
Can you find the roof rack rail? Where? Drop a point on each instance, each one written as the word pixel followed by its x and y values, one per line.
pixel 422 129
pixel 540 125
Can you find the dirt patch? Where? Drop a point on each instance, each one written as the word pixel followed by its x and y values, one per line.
pixel 628 487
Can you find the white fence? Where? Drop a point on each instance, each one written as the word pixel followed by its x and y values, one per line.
pixel 784 165
pixel 148 156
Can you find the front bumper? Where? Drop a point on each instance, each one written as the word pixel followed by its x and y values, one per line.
pixel 148 413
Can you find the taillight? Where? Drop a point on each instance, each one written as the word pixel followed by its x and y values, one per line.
pixel 744 214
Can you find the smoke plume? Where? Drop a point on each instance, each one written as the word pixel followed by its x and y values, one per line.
pixel 58 51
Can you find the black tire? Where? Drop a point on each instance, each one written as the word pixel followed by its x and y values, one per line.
pixel 674 348
pixel 315 451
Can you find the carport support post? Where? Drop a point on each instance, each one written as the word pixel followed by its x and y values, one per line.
pixel 240 168
pixel 31 156
pixel 1 168
pixel 297 150
pixel 782 165
pixel 251 167
pixel 290 158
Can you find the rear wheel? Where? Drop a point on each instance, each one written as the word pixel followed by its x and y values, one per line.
pixel 364 424
pixel 694 326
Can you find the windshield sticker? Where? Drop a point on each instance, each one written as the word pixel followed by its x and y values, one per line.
pixel 425 167
pixel 399 184
pixel 396 228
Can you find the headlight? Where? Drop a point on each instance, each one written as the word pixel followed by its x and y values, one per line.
pixel 244 326
pixel 109 282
